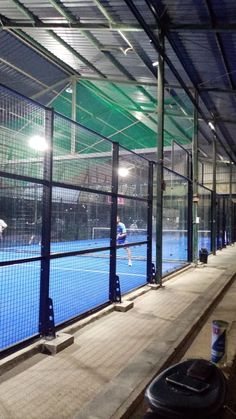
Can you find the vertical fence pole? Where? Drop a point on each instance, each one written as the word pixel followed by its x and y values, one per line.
pixel 73 114
pixel 46 318
pixel 190 213
pixel 214 195
pixel 195 184
pixel 224 223
pixel 230 204
pixel 149 222
pixel 160 145
pixel 113 279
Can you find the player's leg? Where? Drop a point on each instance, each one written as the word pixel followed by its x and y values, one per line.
pixel 32 239
pixel 129 256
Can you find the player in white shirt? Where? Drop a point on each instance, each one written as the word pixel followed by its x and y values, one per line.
pixel 121 235
pixel 3 225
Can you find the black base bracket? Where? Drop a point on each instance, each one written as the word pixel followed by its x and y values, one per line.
pixel 116 295
pixel 152 279
pixel 50 332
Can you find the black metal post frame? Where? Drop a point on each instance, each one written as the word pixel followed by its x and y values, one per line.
pixel 149 223
pixel 113 278
pixel 46 327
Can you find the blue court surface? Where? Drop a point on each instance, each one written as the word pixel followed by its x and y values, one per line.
pixel 77 283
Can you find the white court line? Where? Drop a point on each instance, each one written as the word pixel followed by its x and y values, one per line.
pixel 102 272
pixel 77 270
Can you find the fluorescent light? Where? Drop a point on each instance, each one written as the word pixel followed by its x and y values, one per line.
pixel 38 143
pixel 123 171
pixel 155 64
pixel 211 125
pixel 69 90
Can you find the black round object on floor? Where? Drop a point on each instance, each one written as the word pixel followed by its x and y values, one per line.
pixel 171 399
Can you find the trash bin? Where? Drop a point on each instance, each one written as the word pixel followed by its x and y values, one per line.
pixel 203 255
pixel 170 401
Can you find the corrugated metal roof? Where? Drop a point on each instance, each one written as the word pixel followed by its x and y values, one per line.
pixel 202 53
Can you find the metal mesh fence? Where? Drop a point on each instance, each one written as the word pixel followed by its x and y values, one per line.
pixel 133 174
pixel 22 128
pixel 75 213
pixel 57 197
pixel 20 292
pixel 78 284
pixel 80 157
pixel 180 159
pixel 205 219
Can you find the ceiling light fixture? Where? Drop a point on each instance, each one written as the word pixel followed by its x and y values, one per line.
pixel 211 125
pixel 69 90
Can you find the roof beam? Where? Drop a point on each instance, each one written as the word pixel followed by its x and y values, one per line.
pixel 24 73
pixel 50 88
pixel 202 28
pixel 158 48
pixel 46 54
pixel 13 24
pixel 203 89
pixel 36 20
pixel 171 66
pixel 118 81
pixel 225 120
pixel 219 45
pixel 160 51
pixel 71 19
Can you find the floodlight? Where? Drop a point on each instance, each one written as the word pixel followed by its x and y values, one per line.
pixel 155 64
pixel 211 126
pixel 123 171
pixel 38 143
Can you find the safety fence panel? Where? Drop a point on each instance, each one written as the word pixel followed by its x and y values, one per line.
pixel 180 160
pixel 132 275
pixel 132 174
pixel 21 204
pixel 132 210
pixel 22 138
pixel 225 221
pixel 22 126
pixel 78 284
pixel 175 222
pixel 204 218
pixel 80 157
pixel 20 292
pixel 80 220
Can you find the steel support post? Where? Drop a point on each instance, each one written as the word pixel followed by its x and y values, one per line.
pixel 160 145
pixel 195 184
pixel 46 318
pixel 112 281
pixel 190 210
pixel 149 223
pixel 214 224
pixel 230 204
pixel 73 114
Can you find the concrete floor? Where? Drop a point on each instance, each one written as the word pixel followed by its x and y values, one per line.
pixel 104 373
